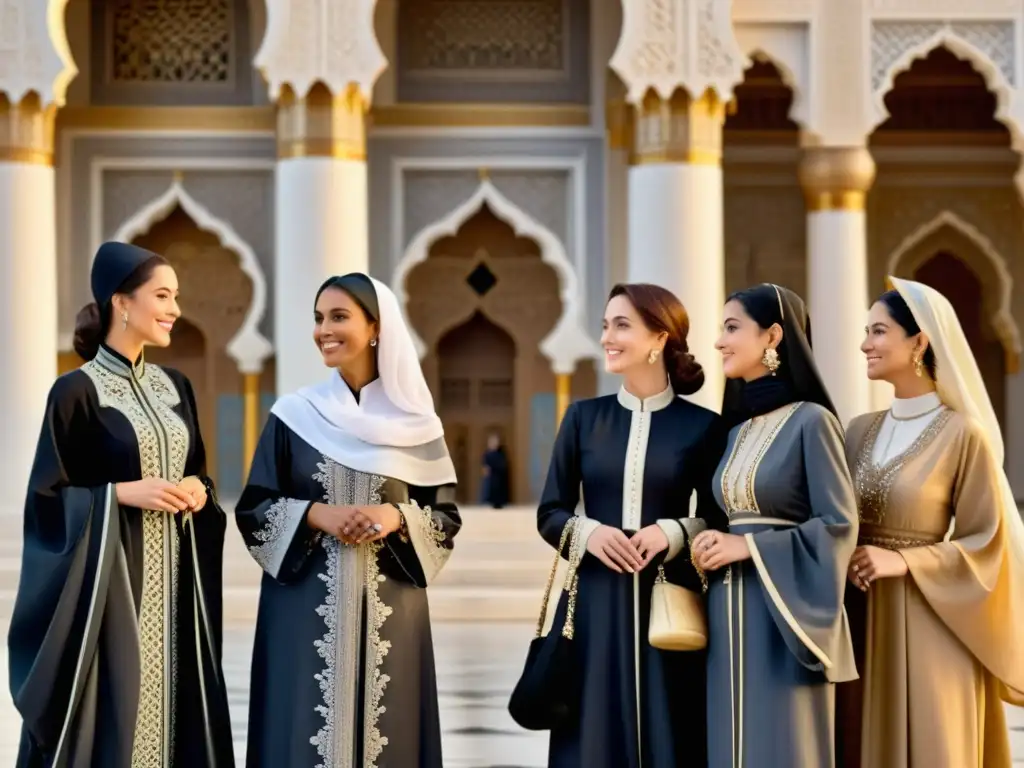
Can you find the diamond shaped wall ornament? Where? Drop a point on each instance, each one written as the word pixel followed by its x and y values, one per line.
pixel 481 279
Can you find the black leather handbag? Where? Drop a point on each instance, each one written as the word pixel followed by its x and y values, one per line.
pixel 548 693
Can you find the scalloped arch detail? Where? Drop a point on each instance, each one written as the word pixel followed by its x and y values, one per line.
pixel 568 342
pixel 248 347
pixel 1002 319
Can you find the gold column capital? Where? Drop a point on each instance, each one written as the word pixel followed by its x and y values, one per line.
pixel 836 178
pixel 27 130
pixel 320 123
pixel 679 129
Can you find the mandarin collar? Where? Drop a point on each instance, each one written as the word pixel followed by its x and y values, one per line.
pixel 656 402
pixel 912 407
pixel 117 363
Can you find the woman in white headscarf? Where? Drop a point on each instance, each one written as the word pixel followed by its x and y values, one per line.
pixel 940 554
pixel 350 511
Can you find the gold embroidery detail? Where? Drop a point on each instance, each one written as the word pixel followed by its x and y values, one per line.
pixel 745 501
pixel 872 482
pixel 147 401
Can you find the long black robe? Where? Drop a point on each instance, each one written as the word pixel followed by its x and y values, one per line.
pixel 115 639
pixel 639 463
pixel 343 663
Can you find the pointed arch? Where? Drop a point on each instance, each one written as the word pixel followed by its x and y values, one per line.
pixel 784 46
pixel 568 342
pixel 1002 319
pixel 1009 105
pixel 249 348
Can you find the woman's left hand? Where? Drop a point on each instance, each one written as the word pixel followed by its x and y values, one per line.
pixel 197 489
pixel 869 564
pixel 649 541
pixel 371 523
pixel 713 550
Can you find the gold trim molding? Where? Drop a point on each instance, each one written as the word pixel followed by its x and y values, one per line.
pixel 836 178
pixel 214 119
pixel 415 115
pixel 680 129
pixel 27 131
pixel 320 124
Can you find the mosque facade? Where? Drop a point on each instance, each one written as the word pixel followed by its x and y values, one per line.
pixel 500 164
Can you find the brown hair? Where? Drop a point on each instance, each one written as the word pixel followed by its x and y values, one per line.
pixel 662 312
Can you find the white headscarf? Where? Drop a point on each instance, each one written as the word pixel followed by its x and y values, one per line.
pixel 961 386
pixel 392 430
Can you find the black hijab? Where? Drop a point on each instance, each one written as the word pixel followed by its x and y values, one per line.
pixel 797 379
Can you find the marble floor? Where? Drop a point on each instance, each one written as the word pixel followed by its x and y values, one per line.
pixel 499 574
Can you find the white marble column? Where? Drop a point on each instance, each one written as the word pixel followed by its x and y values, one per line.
pixel 835 181
pixel 676 232
pixel 679 60
pixel 321 61
pixel 36 71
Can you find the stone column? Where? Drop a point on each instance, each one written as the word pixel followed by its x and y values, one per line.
pixel 835 181
pixel 321 60
pixel 33 81
pixel 680 61
pixel 563 395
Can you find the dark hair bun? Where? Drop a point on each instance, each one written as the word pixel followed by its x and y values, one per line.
pixel 89 331
pixel 684 372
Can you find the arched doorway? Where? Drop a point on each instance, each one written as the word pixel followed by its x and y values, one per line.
pixel 961 285
pixel 483 282
pixel 215 297
pixel 476 367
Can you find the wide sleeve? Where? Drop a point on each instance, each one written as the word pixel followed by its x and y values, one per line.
pixel 422 546
pixel 561 492
pixel 972 580
pixel 707 514
pixel 271 515
pixel 73 583
pixel 802 569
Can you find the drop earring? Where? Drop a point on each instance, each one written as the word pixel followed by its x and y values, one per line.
pixel 124 320
pixel 770 360
pixel 919 367
pixel 652 358
pixel 373 342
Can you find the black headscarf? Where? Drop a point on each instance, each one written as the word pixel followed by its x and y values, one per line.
pixel 114 263
pixel 797 379
pixel 359 287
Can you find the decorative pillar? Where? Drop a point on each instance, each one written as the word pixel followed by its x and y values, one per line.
pixel 33 82
pixel 250 418
pixel 563 395
pixel 320 60
pixel 835 181
pixel 680 61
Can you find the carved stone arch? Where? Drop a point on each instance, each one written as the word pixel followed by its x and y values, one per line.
pixel 249 348
pixel 786 48
pixel 942 233
pixel 568 342
pixel 1009 101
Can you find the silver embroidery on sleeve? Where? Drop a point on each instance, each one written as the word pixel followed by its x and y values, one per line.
pixel 282 520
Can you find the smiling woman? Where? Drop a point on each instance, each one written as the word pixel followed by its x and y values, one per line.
pixel 350 511
pixel 117 623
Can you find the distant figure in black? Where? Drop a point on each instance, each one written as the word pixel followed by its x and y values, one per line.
pixel 494 488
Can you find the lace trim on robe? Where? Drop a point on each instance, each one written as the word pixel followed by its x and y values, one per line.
pixel 282 521
pixel 353 579
pixel 428 538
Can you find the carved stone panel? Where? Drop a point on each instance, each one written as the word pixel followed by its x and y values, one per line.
pixel 493 50
pixel 171 52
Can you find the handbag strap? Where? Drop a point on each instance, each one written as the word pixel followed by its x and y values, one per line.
pixel 567 530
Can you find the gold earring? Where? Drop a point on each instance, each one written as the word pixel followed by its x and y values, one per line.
pixel 919 367
pixel 653 357
pixel 770 360
pixel 124 319
pixel 373 342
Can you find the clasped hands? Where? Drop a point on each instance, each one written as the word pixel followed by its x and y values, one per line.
pixel 159 495
pixel 712 550
pixel 355 525
pixel 626 555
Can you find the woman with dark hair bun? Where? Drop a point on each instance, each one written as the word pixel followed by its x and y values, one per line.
pixel 634 460
pixel 115 640
pixel 939 567
pixel 779 639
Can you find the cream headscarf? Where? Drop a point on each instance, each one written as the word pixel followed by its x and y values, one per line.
pixel 961 387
